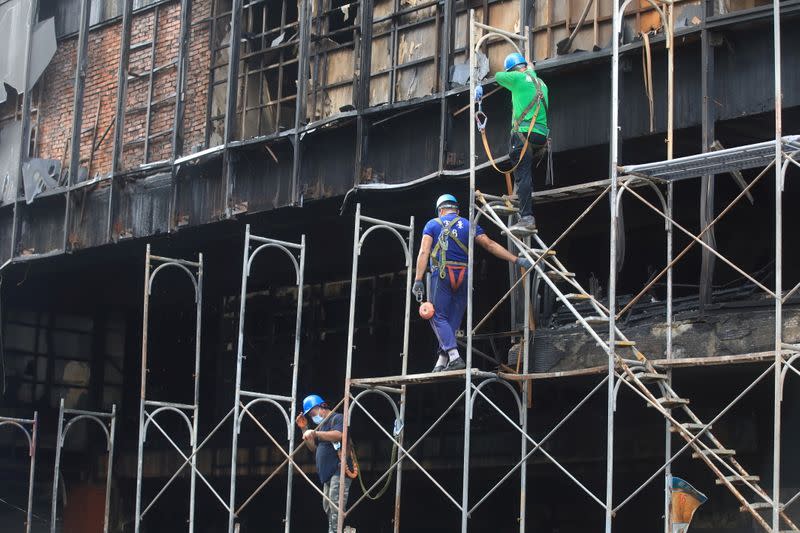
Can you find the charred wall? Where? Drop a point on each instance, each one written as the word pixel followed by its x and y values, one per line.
pixel 311 115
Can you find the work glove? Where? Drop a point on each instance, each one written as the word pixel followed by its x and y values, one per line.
pixel 478 93
pixel 524 262
pixel 418 290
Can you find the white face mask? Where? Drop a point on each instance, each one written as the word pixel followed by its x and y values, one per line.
pixel 317 419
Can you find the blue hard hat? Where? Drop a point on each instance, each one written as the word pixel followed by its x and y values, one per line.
pixel 311 401
pixel 513 60
pixel 446 200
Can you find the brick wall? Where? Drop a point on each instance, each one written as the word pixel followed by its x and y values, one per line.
pixel 101 88
pixel 55 107
pixel 199 62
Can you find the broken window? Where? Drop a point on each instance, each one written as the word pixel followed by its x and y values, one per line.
pixel 218 72
pixel 405 50
pixel 151 87
pixel 502 14
pixel 68 12
pixel 268 68
pixel 333 58
pixel 52 356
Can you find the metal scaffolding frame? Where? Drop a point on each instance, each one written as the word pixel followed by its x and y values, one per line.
pixel 189 413
pixel 29 427
pixel 651 381
pixel 405 235
pixel 107 422
pixel 638 373
pixel 244 400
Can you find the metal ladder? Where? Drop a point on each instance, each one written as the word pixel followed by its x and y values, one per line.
pixel 638 371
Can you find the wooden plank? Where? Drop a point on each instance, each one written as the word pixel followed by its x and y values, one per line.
pixel 552 375
pixel 421 379
pixel 685 362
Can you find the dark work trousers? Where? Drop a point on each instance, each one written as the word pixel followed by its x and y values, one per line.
pixel 523 175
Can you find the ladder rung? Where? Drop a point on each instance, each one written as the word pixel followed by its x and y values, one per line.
pixel 595 320
pixel 719 451
pixel 521 234
pixel 624 343
pixel 650 377
pixel 669 403
pixel 578 296
pixel 542 251
pixel 758 506
pixel 556 275
pixel 503 209
pixel 739 479
pixel 691 426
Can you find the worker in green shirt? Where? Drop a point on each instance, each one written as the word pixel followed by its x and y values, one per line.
pixel 529 97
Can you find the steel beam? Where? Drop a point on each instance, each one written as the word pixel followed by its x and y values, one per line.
pixel 180 106
pixel 709 113
pixel 228 166
pixel 779 170
pixel 81 65
pixel 304 28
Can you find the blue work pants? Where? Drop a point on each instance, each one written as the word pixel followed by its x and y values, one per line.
pixel 449 307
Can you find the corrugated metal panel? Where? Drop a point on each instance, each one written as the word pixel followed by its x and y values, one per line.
pixel 403 147
pixel 6 222
pixel 41 225
pixel 327 162
pixel 201 195
pixel 143 207
pixel 88 217
pixel 261 183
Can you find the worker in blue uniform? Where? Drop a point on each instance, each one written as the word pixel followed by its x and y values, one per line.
pixel 444 243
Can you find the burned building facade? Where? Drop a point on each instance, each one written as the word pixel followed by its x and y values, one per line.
pixel 188 126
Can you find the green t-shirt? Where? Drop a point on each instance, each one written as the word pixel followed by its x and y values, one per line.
pixel 523 90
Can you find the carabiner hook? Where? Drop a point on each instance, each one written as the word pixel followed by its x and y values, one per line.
pixel 481 119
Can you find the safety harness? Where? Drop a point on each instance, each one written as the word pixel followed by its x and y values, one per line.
pixel 454 269
pixel 481 120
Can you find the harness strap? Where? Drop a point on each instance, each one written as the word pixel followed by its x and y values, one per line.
pixel 526 140
pixel 452 271
pixel 441 243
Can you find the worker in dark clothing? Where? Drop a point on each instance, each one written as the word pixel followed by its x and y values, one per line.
pixel 444 241
pixel 326 441
pixel 528 147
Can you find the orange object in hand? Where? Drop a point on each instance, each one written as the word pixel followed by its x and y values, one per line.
pixel 426 311
pixel 301 421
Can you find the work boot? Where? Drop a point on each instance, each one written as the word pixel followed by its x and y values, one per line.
pixel 456 364
pixel 525 226
pixel 438 368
